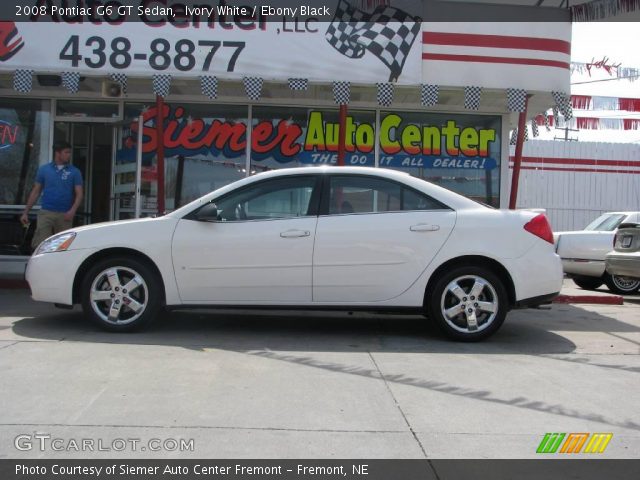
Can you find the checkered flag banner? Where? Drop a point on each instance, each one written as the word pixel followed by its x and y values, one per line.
pixel 162 85
pixel 547 124
pixel 387 32
pixel 563 102
pixel 71 81
pixel 120 79
pixel 429 95
pixel 516 99
pixel 472 97
pixel 514 137
pixel 253 87
pixel 341 92
pixel 23 81
pixel 385 94
pixel 209 86
pixel 534 127
pixel 556 116
pixel 298 83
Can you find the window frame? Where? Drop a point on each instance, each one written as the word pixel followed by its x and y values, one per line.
pixel 312 211
pixel 325 210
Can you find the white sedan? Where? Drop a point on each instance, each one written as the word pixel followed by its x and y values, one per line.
pixel 326 238
pixel 583 253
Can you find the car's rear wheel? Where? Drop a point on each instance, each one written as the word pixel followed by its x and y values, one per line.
pixel 622 285
pixel 121 294
pixel 588 283
pixel 468 303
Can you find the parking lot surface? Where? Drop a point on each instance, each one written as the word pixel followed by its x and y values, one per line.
pixel 317 385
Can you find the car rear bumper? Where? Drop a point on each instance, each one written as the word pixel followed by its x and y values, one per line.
pixel 584 267
pixel 623 265
pixel 538 273
pixel 536 301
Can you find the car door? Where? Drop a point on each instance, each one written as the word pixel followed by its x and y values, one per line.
pixel 374 238
pixel 258 248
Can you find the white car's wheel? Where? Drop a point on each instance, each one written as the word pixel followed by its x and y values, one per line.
pixel 468 303
pixel 622 285
pixel 121 294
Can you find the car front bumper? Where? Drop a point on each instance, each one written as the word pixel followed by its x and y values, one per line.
pixel 51 275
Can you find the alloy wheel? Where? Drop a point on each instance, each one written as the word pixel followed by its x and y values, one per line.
pixel 119 295
pixel 469 304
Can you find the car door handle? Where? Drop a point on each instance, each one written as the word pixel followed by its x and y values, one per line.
pixel 295 233
pixel 424 227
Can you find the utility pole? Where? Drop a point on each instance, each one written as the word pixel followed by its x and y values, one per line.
pixel 566 134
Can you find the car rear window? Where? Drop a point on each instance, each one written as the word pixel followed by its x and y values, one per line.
pixel 606 223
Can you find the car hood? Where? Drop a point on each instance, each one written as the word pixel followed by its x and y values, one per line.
pixel 113 224
pixel 136 233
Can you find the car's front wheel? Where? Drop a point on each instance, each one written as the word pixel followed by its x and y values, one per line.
pixel 121 294
pixel 468 303
pixel 622 285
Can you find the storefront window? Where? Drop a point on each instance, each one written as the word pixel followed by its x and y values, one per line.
pixel 83 109
pixel 24 145
pixel 204 148
pixel 292 137
pixel 456 151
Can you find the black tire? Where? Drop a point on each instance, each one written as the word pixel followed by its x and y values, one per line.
pixel 622 285
pixel 148 294
pixel 588 283
pixel 434 299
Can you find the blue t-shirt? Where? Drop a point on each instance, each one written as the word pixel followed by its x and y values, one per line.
pixel 58 186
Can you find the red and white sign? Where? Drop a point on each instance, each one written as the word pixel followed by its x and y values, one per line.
pixel 532 56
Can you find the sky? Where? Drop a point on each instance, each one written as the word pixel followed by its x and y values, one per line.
pixel 620 43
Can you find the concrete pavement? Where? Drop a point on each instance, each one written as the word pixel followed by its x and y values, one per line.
pixel 291 385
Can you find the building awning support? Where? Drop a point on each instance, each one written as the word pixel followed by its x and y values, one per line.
pixel 515 177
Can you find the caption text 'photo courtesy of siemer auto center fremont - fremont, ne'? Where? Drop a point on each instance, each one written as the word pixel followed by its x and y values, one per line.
pixel 369 239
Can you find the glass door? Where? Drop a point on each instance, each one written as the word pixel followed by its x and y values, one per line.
pixel 92 148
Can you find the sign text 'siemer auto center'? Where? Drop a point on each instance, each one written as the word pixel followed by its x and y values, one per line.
pixel 229 89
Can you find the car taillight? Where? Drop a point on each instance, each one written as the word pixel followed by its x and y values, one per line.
pixel 539 226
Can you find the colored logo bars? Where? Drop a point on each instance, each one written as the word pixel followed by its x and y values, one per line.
pixel 574 442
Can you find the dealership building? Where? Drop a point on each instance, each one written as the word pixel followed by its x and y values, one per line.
pixel 221 96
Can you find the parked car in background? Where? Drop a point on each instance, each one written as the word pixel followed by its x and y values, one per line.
pixel 583 253
pixel 336 238
pixel 624 260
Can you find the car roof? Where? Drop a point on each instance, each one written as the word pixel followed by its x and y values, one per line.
pixel 620 213
pixel 385 172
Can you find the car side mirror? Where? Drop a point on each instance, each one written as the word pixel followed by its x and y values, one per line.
pixel 208 213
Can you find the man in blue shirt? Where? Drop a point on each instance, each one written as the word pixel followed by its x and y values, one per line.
pixel 61 186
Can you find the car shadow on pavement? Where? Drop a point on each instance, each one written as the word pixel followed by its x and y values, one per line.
pixel 302 337
pixel 525 331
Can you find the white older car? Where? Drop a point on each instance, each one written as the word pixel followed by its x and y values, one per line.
pixel 341 238
pixel 583 253
pixel 624 259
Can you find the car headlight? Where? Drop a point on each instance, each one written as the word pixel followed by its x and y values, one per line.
pixel 57 243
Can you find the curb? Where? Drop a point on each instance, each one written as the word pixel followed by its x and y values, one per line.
pixel 595 299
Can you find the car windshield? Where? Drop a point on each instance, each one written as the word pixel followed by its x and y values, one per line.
pixel 607 222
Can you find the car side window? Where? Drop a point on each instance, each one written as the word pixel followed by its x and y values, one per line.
pixel 355 194
pixel 279 198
